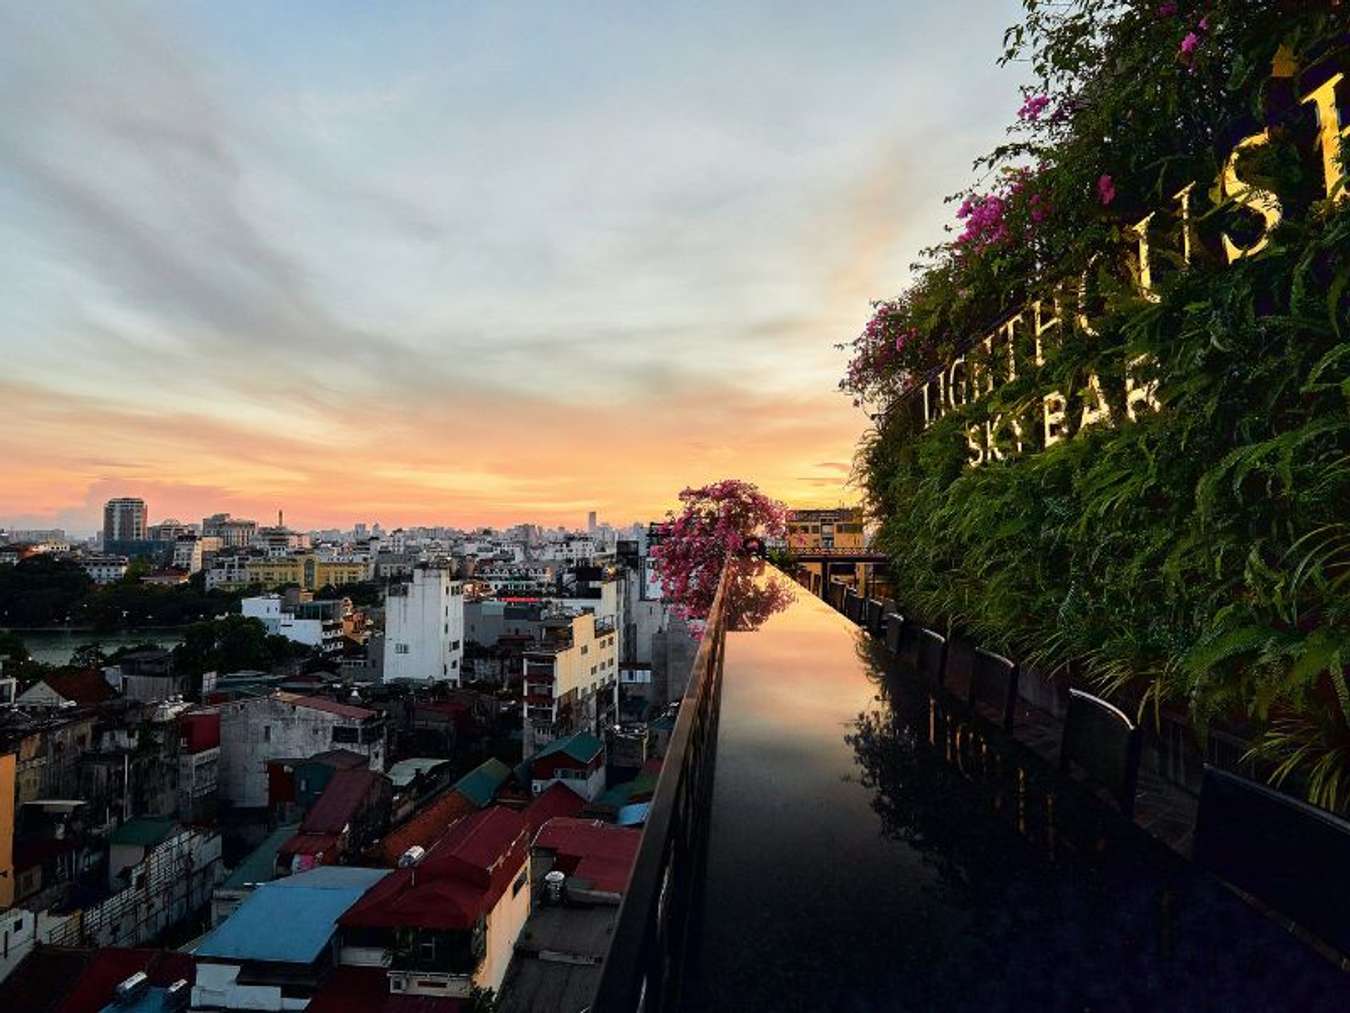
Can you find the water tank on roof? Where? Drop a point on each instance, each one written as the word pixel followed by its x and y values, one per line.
pixel 553 885
pixel 412 856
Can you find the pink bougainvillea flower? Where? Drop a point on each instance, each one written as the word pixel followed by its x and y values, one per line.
pixel 1167 10
pixel 1033 107
pixel 1106 189
pixel 1190 44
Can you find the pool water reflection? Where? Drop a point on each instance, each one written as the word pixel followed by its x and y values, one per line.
pixel 871 849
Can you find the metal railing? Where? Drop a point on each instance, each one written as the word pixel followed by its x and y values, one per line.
pixel 642 971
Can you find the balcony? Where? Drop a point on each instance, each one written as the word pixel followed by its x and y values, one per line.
pixel 871 840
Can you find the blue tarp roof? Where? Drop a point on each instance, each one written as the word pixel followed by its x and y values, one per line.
pixel 634 815
pixel 290 920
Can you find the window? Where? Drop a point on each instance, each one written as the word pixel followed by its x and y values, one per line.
pixel 585 648
pixel 267 733
pixel 401 649
pixel 455 646
pixel 519 884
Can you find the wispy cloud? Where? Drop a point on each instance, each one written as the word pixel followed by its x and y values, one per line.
pixel 486 264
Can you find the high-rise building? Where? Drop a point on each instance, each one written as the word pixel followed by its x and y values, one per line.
pixel 124 520
pixel 590 522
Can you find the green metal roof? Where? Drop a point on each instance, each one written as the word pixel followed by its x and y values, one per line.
pixel 145 832
pixel 260 864
pixel 480 785
pixel 618 796
pixel 582 747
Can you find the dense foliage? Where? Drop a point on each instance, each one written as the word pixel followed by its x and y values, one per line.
pixel 46 591
pixel 234 644
pixel 1196 556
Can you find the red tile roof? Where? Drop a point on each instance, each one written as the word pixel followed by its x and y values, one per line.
pixel 366 990
pixel 322 703
pixel 311 844
pixel 111 966
pixel 44 978
pixel 342 799
pixel 58 979
pixel 427 826
pixel 460 880
pixel 556 800
pixel 599 853
pixel 85 688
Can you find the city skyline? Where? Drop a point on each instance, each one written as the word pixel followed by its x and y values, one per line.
pixel 250 261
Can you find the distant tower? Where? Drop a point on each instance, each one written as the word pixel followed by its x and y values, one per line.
pixel 590 522
pixel 124 520
pixel 281 522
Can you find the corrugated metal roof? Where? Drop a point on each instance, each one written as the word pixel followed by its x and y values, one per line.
pixel 480 784
pixel 427 825
pixel 344 795
pixel 582 747
pixel 260 864
pixel 556 800
pixel 405 771
pixel 321 703
pixel 601 854
pixel 145 832
pixel 290 920
pixel 459 880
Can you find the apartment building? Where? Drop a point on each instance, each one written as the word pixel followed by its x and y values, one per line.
pixel 570 677
pixel 424 627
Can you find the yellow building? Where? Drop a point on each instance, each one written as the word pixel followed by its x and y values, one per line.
pixel 841 528
pixel 7 769
pixel 306 570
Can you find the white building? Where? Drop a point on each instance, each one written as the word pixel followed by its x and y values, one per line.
pixel 228 571
pixel 424 628
pixel 104 569
pixel 288 726
pixel 324 633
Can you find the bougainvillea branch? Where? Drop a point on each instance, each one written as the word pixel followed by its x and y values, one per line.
pixel 715 523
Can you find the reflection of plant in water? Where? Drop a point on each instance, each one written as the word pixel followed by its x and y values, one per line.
pixel 916 795
pixel 753 592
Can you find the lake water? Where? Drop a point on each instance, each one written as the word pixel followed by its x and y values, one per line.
pixel 54 647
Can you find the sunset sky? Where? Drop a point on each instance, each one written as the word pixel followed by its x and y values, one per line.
pixel 460 263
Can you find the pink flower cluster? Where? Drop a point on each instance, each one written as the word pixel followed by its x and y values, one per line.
pixel 1032 108
pixel 1106 189
pixel 986 219
pixel 1190 43
pixel 877 350
pixel 714 524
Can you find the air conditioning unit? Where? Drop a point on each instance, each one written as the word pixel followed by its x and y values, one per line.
pixel 133 988
pixel 177 996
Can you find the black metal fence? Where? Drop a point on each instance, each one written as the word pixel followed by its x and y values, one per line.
pixel 642 972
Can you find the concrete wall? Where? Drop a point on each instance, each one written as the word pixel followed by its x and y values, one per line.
pixel 504 923
pixel 267 728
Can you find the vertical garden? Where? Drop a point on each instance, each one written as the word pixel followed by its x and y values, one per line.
pixel 1112 409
